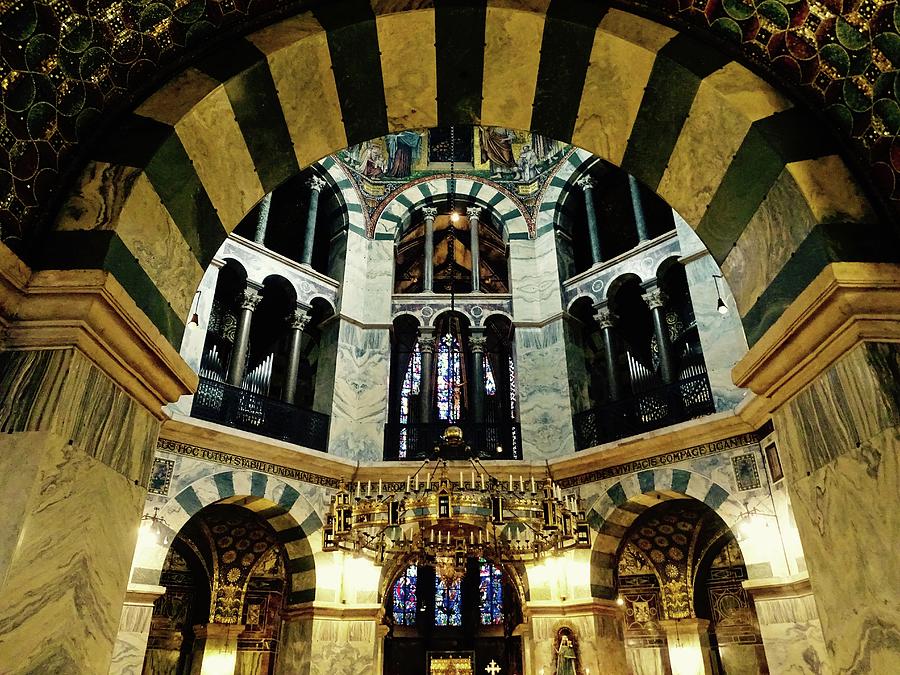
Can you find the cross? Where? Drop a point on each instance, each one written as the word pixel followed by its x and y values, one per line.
pixel 492 668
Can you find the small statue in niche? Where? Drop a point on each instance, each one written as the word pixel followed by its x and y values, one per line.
pixel 566 653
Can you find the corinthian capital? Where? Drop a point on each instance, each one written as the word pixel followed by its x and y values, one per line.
pixel 299 318
pixel 316 184
pixel 605 318
pixel 474 212
pixel 655 298
pixel 429 212
pixel 249 298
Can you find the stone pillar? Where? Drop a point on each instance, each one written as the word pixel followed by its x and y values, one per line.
pixel 250 298
pixel 474 214
pixel 789 624
pixel 477 341
pixel 829 367
pixel 298 321
pixel 639 222
pixel 426 385
pixel 83 378
pixel 215 648
pixel 315 187
pixel 134 629
pixel 655 300
pixel 295 643
pixel 428 263
pixel 606 321
pixel 262 219
pixel 586 183
pixel 688 642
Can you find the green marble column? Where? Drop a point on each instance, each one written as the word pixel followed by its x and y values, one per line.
pixel 839 439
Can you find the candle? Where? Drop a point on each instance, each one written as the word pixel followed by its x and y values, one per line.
pixel 428 482
pixel 359 489
pixel 407 483
pixel 479 536
pixel 432 536
pixel 532 485
pixel 472 484
pixel 369 489
pixel 380 491
pixel 482 480
pixel 521 484
pixel 510 482
pixel 460 478
pixel 472 537
pixel 417 482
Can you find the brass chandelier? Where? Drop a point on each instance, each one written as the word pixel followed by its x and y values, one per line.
pixel 435 520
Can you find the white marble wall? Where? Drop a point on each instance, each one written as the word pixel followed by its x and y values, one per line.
pixel 721 336
pixel 134 630
pixel 792 636
pixel 545 411
pixel 368 278
pixel 601 645
pixel 359 409
pixel 534 278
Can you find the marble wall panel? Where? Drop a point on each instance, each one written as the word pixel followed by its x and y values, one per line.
pixel 601 645
pixel 738 659
pixel 343 647
pixel 295 649
pixel 131 641
pixel 648 660
pixel 578 365
pixel 359 409
pixel 251 663
pixel 534 278
pixel 60 390
pixel 325 368
pixel 792 636
pixel 840 445
pixel 365 293
pixel 161 662
pixel 545 412
pixel 65 581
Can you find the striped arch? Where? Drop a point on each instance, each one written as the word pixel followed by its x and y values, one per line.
pixel 758 178
pixel 287 511
pixel 560 185
pixel 619 506
pixel 351 201
pixel 395 212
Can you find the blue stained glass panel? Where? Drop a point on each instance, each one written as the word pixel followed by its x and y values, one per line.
pixel 490 386
pixel 410 386
pixel 404 600
pixel 449 379
pixel 490 591
pixel 447 603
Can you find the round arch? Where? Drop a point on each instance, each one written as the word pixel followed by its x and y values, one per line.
pixel 289 513
pixel 621 503
pixel 761 156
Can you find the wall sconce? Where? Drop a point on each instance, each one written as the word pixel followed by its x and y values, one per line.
pixel 721 307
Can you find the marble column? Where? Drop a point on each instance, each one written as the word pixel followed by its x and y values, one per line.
pixel 655 300
pixel 789 624
pixel 474 214
pixel 134 629
pixel 262 219
pixel 215 648
pixel 689 649
pixel 637 206
pixel 426 385
pixel 606 321
pixel 477 342
pixel 839 439
pixel 586 183
pixel 430 214
pixel 75 455
pixel 250 298
pixel 315 188
pixel 298 321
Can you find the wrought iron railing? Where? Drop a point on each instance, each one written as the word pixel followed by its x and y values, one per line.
pixel 242 409
pixel 487 440
pixel 686 399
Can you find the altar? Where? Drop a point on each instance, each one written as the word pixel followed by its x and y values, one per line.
pixel 451 663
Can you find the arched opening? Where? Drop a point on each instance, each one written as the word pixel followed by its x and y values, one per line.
pixel 226 585
pixel 467 621
pixel 678 575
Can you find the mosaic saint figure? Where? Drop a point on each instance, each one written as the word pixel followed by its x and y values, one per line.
pixel 496 147
pixel 371 161
pixel 527 164
pixel 566 660
pixel 403 150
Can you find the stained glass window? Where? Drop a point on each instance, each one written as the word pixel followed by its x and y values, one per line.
pixel 447 603
pixel 449 379
pixel 404 605
pixel 410 387
pixel 490 385
pixel 490 590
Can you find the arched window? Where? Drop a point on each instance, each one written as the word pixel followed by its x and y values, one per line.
pixel 490 591
pixel 447 603
pixel 411 382
pixel 449 383
pixel 404 597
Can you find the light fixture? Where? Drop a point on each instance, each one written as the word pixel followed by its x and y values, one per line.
pixel 444 523
pixel 152 528
pixel 195 317
pixel 721 307
pixel 454 217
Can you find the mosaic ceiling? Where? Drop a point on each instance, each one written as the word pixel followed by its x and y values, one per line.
pixel 67 65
